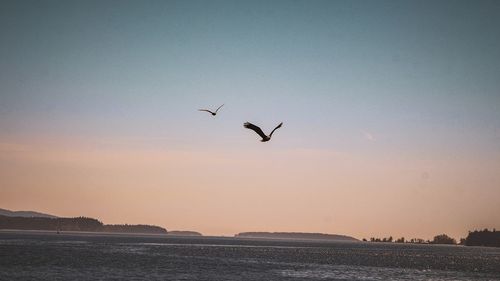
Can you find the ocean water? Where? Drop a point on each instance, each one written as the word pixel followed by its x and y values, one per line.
pixel 49 256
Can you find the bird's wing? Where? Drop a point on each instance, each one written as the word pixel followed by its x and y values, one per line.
pixel 255 128
pixel 219 108
pixel 205 110
pixel 279 126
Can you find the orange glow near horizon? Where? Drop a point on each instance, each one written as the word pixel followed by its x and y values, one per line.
pixel 223 192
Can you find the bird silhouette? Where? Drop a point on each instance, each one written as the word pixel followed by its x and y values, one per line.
pixel 212 112
pixel 258 130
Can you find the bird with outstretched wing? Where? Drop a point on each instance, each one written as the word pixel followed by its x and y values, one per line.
pixel 212 112
pixel 259 131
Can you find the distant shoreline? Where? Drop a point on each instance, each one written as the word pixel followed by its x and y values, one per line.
pixel 84 224
pixel 156 235
pixel 162 235
pixel 304 236
pixel 72 232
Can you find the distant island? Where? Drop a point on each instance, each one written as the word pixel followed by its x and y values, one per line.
pixel 26 214
pixel 184 233
pixel 74 224
pixel 438 239
pixel 483 238
pixel 296 236
pixel 30 220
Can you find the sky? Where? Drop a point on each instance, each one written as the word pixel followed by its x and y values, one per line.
pixel 391 113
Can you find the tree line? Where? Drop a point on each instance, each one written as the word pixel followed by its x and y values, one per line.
pixel 474 238
pixel 483 238
pixel 74 224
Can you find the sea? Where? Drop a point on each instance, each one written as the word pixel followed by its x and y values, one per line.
pixel 86 256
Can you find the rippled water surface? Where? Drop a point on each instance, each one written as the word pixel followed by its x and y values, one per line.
pixel 47 256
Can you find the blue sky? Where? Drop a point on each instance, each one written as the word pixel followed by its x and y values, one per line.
pixel 89 67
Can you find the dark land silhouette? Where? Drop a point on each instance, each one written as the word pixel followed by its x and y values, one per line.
pixel 295 235
pixel 27 214
pixel 483 238
pixel 30 220
pixel 184 233
pixel 443 239
pixel 74 224
pixel 385 239
pixel 438 239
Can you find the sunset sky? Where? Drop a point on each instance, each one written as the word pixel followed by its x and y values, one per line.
pixel 391 114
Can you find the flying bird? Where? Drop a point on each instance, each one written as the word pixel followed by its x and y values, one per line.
pixel 212 112
pixel 259 131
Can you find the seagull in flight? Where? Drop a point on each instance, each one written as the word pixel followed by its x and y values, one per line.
pixel 212 112
pixel 258 130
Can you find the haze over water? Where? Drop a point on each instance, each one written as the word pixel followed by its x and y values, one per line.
pixel 391 114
